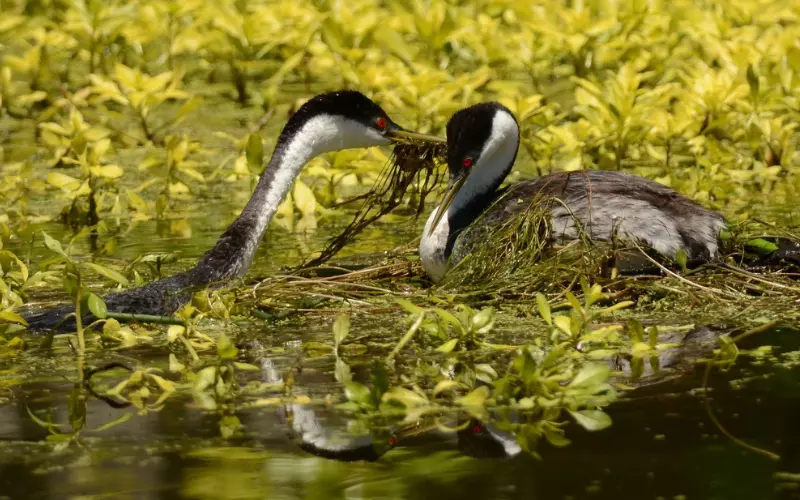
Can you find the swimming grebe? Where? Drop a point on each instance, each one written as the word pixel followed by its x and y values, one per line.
pixel 482 143
pixel 328 122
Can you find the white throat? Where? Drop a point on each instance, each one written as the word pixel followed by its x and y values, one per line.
pixel 321 134
pixel 489 171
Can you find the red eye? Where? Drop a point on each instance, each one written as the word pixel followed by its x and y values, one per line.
pixel 393 441
pixel 381 123
pixel 477 429
pixel 467 162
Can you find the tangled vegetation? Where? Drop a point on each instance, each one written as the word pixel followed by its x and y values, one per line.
pixel 121 114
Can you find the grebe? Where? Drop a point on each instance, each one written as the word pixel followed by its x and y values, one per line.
pixel 482 143
pixel 330 121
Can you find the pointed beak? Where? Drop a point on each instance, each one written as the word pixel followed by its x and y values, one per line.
pixel 449 196
pixel 399 135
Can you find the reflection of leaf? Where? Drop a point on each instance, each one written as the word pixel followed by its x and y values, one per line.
pixel 341 327
pixel 591 420
pixel 225 348
pixel 119 420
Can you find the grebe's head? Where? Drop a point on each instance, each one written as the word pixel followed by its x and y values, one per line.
pixel 344 119
pixel 482 144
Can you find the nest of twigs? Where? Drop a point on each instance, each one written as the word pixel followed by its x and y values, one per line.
pixel 412 167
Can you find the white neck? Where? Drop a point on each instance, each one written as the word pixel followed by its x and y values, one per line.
pixel 319 135
pixel 492 167
pixel 236 248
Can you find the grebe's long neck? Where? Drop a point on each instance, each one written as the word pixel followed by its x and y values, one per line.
pixel 474 197
pixel 237 246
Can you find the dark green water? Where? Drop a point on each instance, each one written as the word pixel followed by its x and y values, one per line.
pixel 661 445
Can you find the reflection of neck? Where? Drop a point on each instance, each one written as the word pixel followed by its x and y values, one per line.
pixel 234 251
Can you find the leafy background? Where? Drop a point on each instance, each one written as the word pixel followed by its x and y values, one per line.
pixel 134 132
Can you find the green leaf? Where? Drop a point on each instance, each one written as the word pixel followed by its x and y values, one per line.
pixel 12 317
pixel 47 425
pixel 448 346
pixel 108 273
pixel 591 374
pixel 53 245
pixel 342 371
pixel 175 366
pixel 544 308
pixel 652 334
pixel 761 246
pixel 475 398
pixel 97 306
pixel 304 199
pixel 408 306
pixel 752 81
pixel 245 367
pixel 449 318
pixel 483 321
pixel 174 331
pixel 591 420
pixel 254 152
pixel 63 181
pixel 563 324
pixel 574 302
pixel 341 328
pixel 408 398
pixel 188 107
pixel 225 348
pixel 119 420
pixel 445 385
pixel 680 257
pixel 556 437
pixel 635 331
pixel 357 393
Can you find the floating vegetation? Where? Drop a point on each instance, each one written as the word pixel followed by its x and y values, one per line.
pixel 132 132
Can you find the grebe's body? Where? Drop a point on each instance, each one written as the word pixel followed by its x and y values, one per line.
pixel 600 205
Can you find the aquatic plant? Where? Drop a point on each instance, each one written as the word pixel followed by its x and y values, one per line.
pixel 126 120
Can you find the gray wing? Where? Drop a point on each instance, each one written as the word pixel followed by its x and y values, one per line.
pixel 606 204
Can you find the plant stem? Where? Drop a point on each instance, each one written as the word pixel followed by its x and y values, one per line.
pixel 79 320
pixel 407 337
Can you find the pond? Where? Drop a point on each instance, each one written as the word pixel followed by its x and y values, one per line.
pixel 662 443
pixel 133 133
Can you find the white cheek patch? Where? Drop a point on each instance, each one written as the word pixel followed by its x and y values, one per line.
pixel 432 246
pixel 326 133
